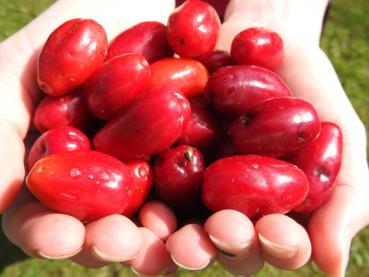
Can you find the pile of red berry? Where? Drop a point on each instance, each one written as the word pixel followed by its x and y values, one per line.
pixel 234 139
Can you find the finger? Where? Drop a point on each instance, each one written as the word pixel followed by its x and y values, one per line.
pixel 113 238
pixel 235 238
pixel 159 218
pixel 44 234
pixel 284 243
pixel 191 248
pixel 153 258
pixel 332 227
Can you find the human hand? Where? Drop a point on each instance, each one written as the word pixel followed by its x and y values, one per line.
pixel 27 223
pixel 278 239
pixel 237 234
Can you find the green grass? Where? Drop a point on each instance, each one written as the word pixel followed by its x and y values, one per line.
pixel 345 40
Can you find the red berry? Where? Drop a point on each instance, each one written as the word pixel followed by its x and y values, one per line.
pixel 215 60
pixel 193 29
pixel 148 125
pixel 148 39
pixel 233 90
pixel 258 46
pixel 253 185
pixel 275 127
pixel 70 109
pixel 321 162
pixel 142 177
pixel 116 84
pixel 187 75
pixel 58 140
pixel 85 184
pixel 178 175
pixel 71 53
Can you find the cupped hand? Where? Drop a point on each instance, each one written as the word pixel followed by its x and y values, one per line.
pixel 229 236
pixel 277 239
pixel 27 223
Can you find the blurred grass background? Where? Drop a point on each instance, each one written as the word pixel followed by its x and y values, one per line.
pixel 345 40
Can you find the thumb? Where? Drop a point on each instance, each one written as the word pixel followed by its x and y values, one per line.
pixel 333 226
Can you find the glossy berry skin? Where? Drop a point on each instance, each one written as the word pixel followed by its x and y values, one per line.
pixel 71 54
pixel 178 175
pixel 148 39
pixel 275 127
pixel 148 125
pixel 216 59
pixel 70 109
pixel 203 130
pixel 193 29
pixel 85 184
pixel 258 46
pixel 321 162
pixel 254 185
pixel 117 83
pixel 187 75
pixel 234 90
pixel 142 175
pixel 58 140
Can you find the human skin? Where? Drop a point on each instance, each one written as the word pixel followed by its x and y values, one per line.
pixel 276 239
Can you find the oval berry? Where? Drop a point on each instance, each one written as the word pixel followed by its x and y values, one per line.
pixel 71 54
pixel 85 184
pixel 142 175
pixel 253 185
pixel 58 140
pixel 258 46
pixel 321 162
pixel 148 125
pixel 70 109
pixel 148 39
pixel 234 90
pixel 178 175
pixel 116 84
pixel 193 29
pixel 275 127
pixel 187 75
pixel 215 60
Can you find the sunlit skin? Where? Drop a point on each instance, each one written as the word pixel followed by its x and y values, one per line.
pixel 275 239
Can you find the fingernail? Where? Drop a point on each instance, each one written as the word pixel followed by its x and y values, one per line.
pixel 140 274
pixel 41 254
pixel 231 249
pixel 278 250
pixel 111 258
pixel 190 268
